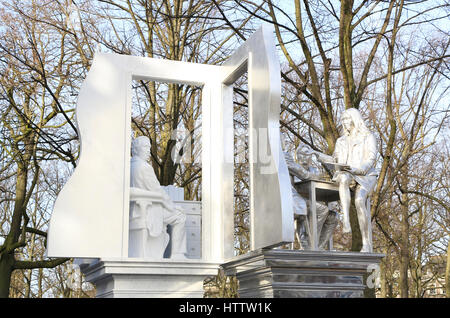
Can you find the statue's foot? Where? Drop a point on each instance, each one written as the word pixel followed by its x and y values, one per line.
pixel 178 257
pixel 366 249
pixel 346 227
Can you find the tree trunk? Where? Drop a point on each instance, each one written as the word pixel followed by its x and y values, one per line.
pixel 383 280
pixel 447 272
pixel 356 232
pixel 169 167
pixel 418 290
pixel 404 261
pixel 29 274
pixel 404 246
pixel 40 278
pixel 7 259
pixel 6 268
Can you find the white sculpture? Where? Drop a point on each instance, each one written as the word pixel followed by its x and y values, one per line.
pixel 326 219
pixel 91 219
pixel 151 210
pixel 355 154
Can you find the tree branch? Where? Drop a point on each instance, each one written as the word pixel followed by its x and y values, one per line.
pixel 40 264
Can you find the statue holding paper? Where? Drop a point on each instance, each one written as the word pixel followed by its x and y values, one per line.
pixel 353 161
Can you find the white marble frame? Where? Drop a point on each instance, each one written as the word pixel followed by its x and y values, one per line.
pixel 271 213
pixel 90 215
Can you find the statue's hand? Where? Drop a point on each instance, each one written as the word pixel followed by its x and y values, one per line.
pixel 355 171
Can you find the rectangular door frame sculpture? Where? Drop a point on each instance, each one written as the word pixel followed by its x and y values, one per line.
pixel 90 215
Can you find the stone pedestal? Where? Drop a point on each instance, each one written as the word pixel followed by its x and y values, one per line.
pixel 131 278
pixel 274 273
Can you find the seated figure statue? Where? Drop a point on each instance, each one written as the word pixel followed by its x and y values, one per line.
pixel 326 219
pixel 356 152
pixel 151 210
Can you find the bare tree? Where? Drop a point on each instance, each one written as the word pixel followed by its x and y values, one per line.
pixel 368 55
pixel 38 74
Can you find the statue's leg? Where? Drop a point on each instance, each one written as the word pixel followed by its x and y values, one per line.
pixel 345 197
pixel 177 220
pixel 302 228
pixel 300 212
pixel 328 228
pixel 322 213
pixel 297 226
pixel 363 218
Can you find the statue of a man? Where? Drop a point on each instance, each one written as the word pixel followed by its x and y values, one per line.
pixel 356 149
pixel 143 178
pixel 326 219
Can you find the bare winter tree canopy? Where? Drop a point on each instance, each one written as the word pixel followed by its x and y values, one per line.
pixel 389 59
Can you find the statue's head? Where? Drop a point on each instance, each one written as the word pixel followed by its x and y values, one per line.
pixel 140 147
pixel 303 155
pixel 352 120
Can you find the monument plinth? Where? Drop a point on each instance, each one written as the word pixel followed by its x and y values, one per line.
pixel 280 273
pixel 141 278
